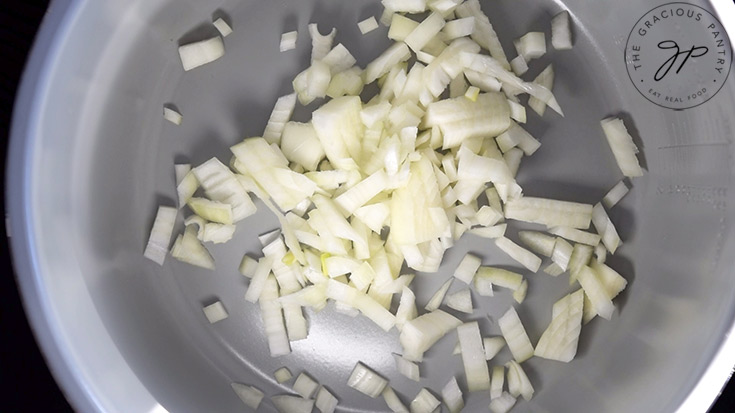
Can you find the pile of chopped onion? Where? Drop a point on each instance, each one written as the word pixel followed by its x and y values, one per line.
pixel 378 186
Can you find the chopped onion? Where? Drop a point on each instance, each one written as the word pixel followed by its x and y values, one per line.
pixel 531 45
pixel 496 383
pixel 466 269
pixel 517 111
pixel 559 340
pixel 459 28
pixel 483 286
pixel 495 231
pixel 538 242
pixel 622 146
pixel 202 52
pixel 600 253
pixel 292 404
pixel 325 401
pixel 367 25
pixel 257 282
pixel 473 357
pixel 346 82
pixel 217 233
pixel 222 27
pixel 424 402
pixel 492 346
pixel 313 82
pixel 160 237
pixel 425 31
pixel 282 375
pixel 339 59
pixel 518 253
pixel 573 234
pixel 518 383
pixel 581 256
pixel 605 228
pixel 320 44
pixel 248 266
pixel 395 54
pixel 249 395
pixel 520 294
pixel 407 368
pixel 561 34
pixel 460 118
pixel 452 396
pixel 595 290
pixel 186 188
pixel 554 270
pixel 393 402
pixel 281 114
pixel 366 381
pixel 221 185
pixel 215 312
pixel 502 403
pixel 615 195
pixel 436 299
pixel 562 253
pixel 188 249
pixel 172 115
pixel 500 277
pixel 288 41
pixel 406 308
pixel 419 334
pixel 549 212
pixel 270 310
pixel 545 79
pixel 460 301
pixel 613 283
pixel 519 65
pixel 515 336
pixel 305 386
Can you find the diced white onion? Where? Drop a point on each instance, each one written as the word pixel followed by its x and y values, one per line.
pixel 320 44
pixel 613 283
pixel 419 334
pixel 452 396
pixel 520 294
pixel 366 381
pixel 495 231
pixel 283 375
pixel 473 357
pixel 215 312
pixel 305 386
pixel 519 65
pixel 407 368
pixel 187 248
pixel 545 79
pixel 249 395
pixel 292 404
pixel 562 253
pixel 425 31
pixel 459 28
pixel 270 310
pixel 531 45
pixel 573 234
pixel 496 383
pixel 325 401
pixel 483 286
pixel 605 228
pixel 288 41
pixel 405 6
pixel 561 34
pixel 593 287
pixel 160 237
pixel 518 253
pixel 406 308
pixel 502 403
pixel 615 195
pixel 172 115
pixel 393 402
pixel 492 346
pixel 367 25
pixel 581 256
pixel 549 212
pixel 500 277
pixel 395 54
pixel 515 336
pixel 202 52
pixel 460 301
pixel 538 242
pixel 622 145
pixel 559 340
pixel 424 402
pixel 553 270
pixel 222 27
pixel 436 299
pixel 484 34
pixel 518 383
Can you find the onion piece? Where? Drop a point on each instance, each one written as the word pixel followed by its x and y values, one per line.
pixel 517 111
pixel 425 31
pixel 460 118
pixel 622 145
pixel 320 44
pixel 545 79
pixel 452 396
pixel 393 402
pixel 484 34
pixel 188 249
pixel 495 231
pixel 559 340
pixel 406 308
pixel 562 253
pixel 282 111
pixel 581 256
pixel 181 170
pixel 615 194
pixel 186 188
pixel 500 277
pixel 515 335
pixel 407 368
pixel 405 6
pixel 531 45
pixel 549 212
pixel 460 301
pixel 249 395
pixel 257 282
pixel 466 269
pixel 518 253
pixel 573 234
pixel 520 294
pixel 561 33
pixel 222 27
pixel 248 266
pixel 424 402
pixel 282 375
pixel 366 381
pixel 221 185
pixel 595 290
pixel 600 253
pixel 553 270
pixel 395 54
pixel 518 383
pixel 519 65
pixel 436 299
pixel 492 346
pixel 288 41
pixel 459 28
pixel 292 404
pixel 215 312
pixel 473 357
pixel 605 228
pixel 325 401
pixel 419 334
pixel 160 236
pixel 305 386
pixel 313 82
pixel 202 52
pixel 496 382
pixel 270 311
pixel 172 115
pixel 483 286
pixel 367 25
pixel 502 403
pixel 538 242
pixel 613 283
pixel 212 210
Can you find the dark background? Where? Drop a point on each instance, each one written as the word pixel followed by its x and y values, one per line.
pixel 27 384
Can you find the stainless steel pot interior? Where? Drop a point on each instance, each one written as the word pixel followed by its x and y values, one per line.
pixel 91 158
